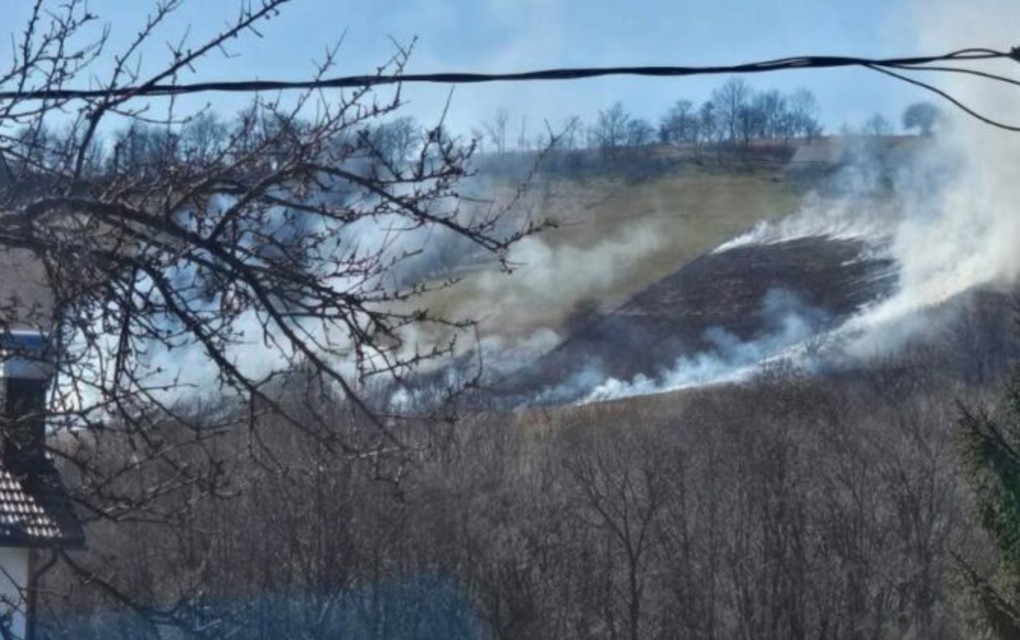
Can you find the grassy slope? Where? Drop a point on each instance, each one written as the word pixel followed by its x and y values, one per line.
pixel 696 213
pixel 688 212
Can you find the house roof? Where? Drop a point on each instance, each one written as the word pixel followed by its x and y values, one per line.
pixel 36 511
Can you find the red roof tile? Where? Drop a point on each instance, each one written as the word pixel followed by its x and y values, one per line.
pixel 35 509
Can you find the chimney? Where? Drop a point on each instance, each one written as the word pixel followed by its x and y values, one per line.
pixel 25 377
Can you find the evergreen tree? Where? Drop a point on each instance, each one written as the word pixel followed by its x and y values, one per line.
pixel 991 457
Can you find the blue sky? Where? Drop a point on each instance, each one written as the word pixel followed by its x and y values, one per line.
pixel 509 35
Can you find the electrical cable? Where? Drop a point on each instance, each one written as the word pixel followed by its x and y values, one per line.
pixel 888 66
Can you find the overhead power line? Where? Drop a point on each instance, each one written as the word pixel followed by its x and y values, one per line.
pixel 888 66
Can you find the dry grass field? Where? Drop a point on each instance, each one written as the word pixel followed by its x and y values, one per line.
pixel 615 238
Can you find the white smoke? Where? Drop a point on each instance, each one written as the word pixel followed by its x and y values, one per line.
pixel 952 226
pixel 853 205
pixel 553 276
pixel 966 233
pixel 702 370
pixel 838 219
pixel 790 326
pixel 946 237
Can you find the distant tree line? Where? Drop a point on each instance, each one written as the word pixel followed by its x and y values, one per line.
pixel 735 116
pixel 141 149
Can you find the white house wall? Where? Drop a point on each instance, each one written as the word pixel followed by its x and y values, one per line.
pixel 13 579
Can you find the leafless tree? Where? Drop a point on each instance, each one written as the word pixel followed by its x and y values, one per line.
pixel 497 129
pixel 731 101
pixel 710 126
pixel 523 144
pixel 803 114
pixel 609 132
pixel 640 133
pixel 174 255
pixel 622 481
pixel 277 231
pixel 787 508
pixel 679 124
pixel 877 126
pixel 572 130
pixel 923 116
pixel 784 509
pixel 771 105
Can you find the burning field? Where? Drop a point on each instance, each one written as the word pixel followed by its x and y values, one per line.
pixel 894 250
pixel 716 319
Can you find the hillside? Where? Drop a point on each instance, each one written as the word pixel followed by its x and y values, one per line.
pixel 616 237
pixel 734 307
pixel 658 284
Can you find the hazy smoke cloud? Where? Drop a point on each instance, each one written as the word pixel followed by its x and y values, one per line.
pixel 949 220
pixel 788 323
pixel 943 210
pixel 822 216
pixel 966 233
pixel 558 275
